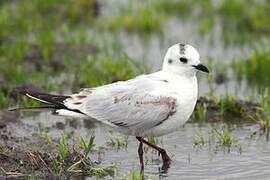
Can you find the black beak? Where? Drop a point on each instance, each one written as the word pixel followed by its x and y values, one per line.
pixel 202 68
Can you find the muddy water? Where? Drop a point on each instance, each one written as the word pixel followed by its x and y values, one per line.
pixel 249 156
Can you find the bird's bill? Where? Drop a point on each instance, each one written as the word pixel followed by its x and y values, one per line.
pixel 201 67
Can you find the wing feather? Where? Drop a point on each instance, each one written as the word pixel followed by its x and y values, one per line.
pixel 126 104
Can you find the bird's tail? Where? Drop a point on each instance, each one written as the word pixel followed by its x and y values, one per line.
pixel 55 100
pixel 51 102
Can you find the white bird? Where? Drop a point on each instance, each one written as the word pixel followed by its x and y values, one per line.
pixel 148 105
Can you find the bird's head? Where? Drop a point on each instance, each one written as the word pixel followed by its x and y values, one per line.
pixel 183 59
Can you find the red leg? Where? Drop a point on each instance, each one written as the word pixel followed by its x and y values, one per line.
pixel 166 159
pixel 140 152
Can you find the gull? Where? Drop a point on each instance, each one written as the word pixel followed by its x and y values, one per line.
pixel 148 105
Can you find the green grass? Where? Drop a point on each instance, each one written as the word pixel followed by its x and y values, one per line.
pixel 248 19
pixel 255 69
pixel 133 175
pixel 143 20
pixel 228 105
pixel 223 109
pixel 87 147
pixel 118 142
pixel 101 172
pixel 100 70
pixel 262 117
pixel 240 21
pixel 45 136
pixel 224 137
pixel 30 33
pixel 39 15
pixel 62 154
pixel 198 141
pixel 3 99
pixel 181 8
pixel 200 113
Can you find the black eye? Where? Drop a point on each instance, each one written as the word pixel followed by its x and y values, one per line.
pixel 183 59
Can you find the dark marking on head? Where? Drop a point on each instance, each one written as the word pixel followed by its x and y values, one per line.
pixel 77 103
pixel 182 48
pixel 170 61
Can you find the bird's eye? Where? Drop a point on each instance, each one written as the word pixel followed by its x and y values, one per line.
pixel 170 61
pixel 183 59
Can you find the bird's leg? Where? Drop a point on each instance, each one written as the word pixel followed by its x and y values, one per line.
pixel 140 152
pixel 166 159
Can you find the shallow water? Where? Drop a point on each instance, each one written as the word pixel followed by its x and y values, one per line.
pixel 189 163
pixel 249 156
pixel 208 162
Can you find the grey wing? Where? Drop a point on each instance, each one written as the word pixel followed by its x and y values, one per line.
pixel 126 105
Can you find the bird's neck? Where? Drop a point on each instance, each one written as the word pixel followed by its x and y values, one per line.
pixel 182 74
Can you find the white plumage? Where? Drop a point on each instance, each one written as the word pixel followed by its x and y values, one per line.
pixel 148 105
pixel 153 104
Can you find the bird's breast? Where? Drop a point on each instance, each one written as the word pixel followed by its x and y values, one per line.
pixel 185 93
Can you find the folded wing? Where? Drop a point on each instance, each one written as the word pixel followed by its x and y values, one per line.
pixel 125 104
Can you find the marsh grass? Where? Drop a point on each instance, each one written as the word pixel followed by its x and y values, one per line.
pixel 27 15
pixel 4 101
pixel 30 32
pixel 224 109
pixel 100 70
pixel 262 117
pixel 219 138
pixel 101 172
pixel 118 142
pixel 62 153
pixel 70 161
pixel 133 175
pixel 142 19
pixel 228 105
pixel 254 69
pixel 181 8
pixel 87 147
pixel 200 113
pixel 45 136
pixel 225 137
pixel 246 18
pixel 240 21
pixel 198 141
pixel 210 80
